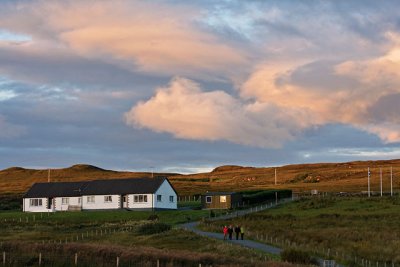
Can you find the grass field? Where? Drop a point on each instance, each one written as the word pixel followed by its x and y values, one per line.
pixel 119 232
pixel 347 229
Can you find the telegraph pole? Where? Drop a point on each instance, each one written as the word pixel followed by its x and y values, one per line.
pixel 391 181
pixel 275 176
pixel 381 182
pixel 369 187
pixel 48 176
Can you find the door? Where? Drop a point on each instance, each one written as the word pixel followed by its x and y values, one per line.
pixel 124 201
pixel 49 203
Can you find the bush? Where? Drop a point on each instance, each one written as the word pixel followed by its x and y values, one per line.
pixel 153 217
pixel 212 214
pixel 297 256
pixel 153 228
pixel 10 202
pixel 260 196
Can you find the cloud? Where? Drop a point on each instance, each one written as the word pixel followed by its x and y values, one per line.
pixel 165 40
pixel 8 130
pixel 187 112
pixel 278 102
pixel 353 92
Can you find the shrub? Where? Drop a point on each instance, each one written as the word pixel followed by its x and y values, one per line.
pixel 153 228
pixel 297 256
pixel 212 214
pixel 153 217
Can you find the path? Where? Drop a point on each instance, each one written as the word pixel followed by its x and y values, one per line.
pixel 246 243
pixel 192 226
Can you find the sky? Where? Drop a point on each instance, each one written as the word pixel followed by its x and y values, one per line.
pixel 186 86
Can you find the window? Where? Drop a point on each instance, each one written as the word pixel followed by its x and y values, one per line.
pixel 35 202
pixel 222 199
pixel 107 199
pixel 65 201
pixel 90 199
pixel 159 198
pixel 140 198
pixel 208 199
pixel 171 198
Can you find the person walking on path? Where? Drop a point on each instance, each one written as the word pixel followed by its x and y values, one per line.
pixel 237 231
pixel 230 232
pixel 241 232
pixel 225 231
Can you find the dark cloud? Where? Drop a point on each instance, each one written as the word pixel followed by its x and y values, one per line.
pixel 321 76
pixel 387 108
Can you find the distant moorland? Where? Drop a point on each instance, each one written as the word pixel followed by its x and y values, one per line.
pixel 327 177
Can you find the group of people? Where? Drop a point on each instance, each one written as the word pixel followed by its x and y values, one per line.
pixel 228 232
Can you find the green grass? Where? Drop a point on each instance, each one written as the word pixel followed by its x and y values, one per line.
pixel 119 229
pixel 347 228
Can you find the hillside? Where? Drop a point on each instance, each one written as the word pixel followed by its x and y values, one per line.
pixel 332 177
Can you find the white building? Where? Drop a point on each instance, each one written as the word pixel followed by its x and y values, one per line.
pixel 132 194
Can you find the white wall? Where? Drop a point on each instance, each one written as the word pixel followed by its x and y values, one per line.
pixel 139 205
pixel 72 201
pixel 28 208
pixel 165 190
pixel 100 204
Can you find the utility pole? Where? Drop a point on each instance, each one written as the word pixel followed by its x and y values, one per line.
pixel 48 176
pixel 369 187
pixel 275 176
pixel 391 181
pixel 152 171
pixel 381 182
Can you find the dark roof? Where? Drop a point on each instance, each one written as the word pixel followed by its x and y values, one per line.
pixel 96 187
pixel 219 193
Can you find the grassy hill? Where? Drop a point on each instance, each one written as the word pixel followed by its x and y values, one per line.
pixel 328 177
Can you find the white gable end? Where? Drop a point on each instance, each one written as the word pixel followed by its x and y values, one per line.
pixel 165 197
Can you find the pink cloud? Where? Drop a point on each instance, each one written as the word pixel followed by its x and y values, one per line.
pixel 187 112
pixel 136 35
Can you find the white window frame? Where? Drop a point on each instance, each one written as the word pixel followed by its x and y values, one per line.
pixel 222 199
pixel 208 199
pixel 140 199
pixel 159 198
pixel 108 199
pixel 64 200
pixel 90 199
pixel 35 202
pixel 171 199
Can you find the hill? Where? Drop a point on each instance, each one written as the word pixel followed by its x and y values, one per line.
pixel 328 177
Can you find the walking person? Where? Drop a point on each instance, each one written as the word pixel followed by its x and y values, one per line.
pixel 241 232
pixel 237 231
pixel 230 232
pixel 225 231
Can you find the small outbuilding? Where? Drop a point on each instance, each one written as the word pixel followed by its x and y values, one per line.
pixel 221 200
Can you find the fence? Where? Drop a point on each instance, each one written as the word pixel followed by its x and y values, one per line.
pixel 51 259
pixel 286 243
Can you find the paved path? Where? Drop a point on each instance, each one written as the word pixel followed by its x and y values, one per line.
pixel 246 243
pixel 192 226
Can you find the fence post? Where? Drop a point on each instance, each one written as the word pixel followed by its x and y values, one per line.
pixel 158 263
pixel 117 261
pixel 4 258
pixel 40 259
pixel 76 259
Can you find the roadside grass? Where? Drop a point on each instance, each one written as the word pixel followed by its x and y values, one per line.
pixel 120 229
pixel 344 228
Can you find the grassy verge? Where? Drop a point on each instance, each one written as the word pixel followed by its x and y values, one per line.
pixel 347 229
pixel 118 233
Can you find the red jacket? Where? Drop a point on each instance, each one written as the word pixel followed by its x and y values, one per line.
pixel 225 230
